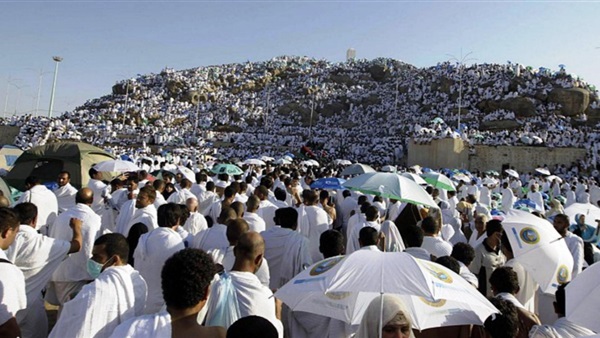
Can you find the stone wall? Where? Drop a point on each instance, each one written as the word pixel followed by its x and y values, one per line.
pixel 453 153
pixel 8 134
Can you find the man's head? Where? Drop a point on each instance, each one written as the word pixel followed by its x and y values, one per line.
pixel 226 214
pixel 252 204
pixel 430 226
pixel 286 218
pixel 84 196
pixel 185 279
pixel 252 326
pixel 168 215
pixel 331 243
pixel 412 236
pixel 367 236
pixel 110 250
pixel 310 197
pixel 371 213
pixel 250 250
pixel 280 194
pixel 159 186
pixel 494 228
pixel 32 181
pixel 64 178
pixel 9 226
pixel 145 197
pixel 463 253
pixel 27 212
pixel 238 207
pixel 235 229
pixel 504 279
pixel 185 183
pixel 480 221
pixel 561 224
pixel 505 324
pixel 449 262
pixel 4 202
pixel 191 204
pixel 94 174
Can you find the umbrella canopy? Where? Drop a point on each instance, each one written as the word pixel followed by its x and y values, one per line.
pixel 461 177
pixel 254 161
pixel 539 248
pixel 328 183
pixel 226 168
pixel 187 173
pixel 590 211
pixel 554 177
pixel 342 162
pixel 391 185
pixel 307 291
pixel 414 177
pixel 357 169
pixel 543 171
pixel 489 181
pixel 582 296
pixel 512 173
pixel 116 166
pixel 439 181
pixel 282 161
pixel 389 169
pixel 267 158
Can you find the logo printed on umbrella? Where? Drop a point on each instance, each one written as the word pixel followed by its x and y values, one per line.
pixel 325 266
pixel 529 236
pixel 562 275
pixel 338 295
pixel 439 273
pixel 435 303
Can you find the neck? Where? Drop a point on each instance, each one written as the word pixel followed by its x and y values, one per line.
pixel 243 266
pixel 186 316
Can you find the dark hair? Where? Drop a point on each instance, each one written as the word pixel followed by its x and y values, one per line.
pixel 493 226
pixel 463 252
pixel 505 324
pixel 210 186
pixel 331 243
pixel 27 212
pixel 32 180
pixel 286 218
pixel 9 219
pixel 505 279
pixel 310 196
pixel 371 213
pixel 252 326
pixel 235 229
pixel 429 225
pixel 168 215
pixel 185 278
pixel 368 236
pixel 229 192
pixel 449 262
pixel 412 236
pixel 280 194
pixel 346 193
pixel 149 191
pixel 65 172
pixel 114 244
pixel 92 172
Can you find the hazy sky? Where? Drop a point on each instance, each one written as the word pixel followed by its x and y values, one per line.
pixel 105 41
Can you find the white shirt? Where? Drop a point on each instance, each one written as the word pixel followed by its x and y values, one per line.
pixel 65 197
pixel 45 201
pixel 312 222
pixel 74 267
pixel 266 210
pixel 11 278
pixel 195 223
pixel 436 246
pixel 99 189
pixel 146 215
pixel 211 238
pixel 255 222
pixel 575 245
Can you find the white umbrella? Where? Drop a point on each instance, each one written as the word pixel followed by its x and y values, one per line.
pixel 439 181
pixel 342 162
pixel 582 296
pixel 539 248
pixel 116 166
pixel 489 181
pixel 254 161
pixel 512 173
pixel 357 169
pixel 391 185
pixel 307 291
pixel 314 163
pixel 418 179
pixel 554 177
pixel 590 211
pixel 461 177
pixel 267 158
pixel 543 171
pixel 389 169
pixel 187 173
pixel 282 161
pixel 307 163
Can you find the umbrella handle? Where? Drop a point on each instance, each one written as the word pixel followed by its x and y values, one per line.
pixel 381 315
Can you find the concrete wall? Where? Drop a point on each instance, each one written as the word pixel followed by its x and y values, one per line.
pixel 453 153
pixel 443 153
pixel 8 134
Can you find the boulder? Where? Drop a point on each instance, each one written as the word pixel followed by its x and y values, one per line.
pixel 521 106
pixel 378 72
pixel 499 125
pixel 192 97
pixel 574 101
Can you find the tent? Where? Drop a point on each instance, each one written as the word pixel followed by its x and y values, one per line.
pixel 6 190
pixel 47 161
pixel 8 156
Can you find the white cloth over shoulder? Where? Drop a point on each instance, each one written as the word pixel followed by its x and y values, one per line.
pixel 288 254
pixel 562 328
pixel 11 278
pixel 118 294
pixel 65 196
pixel 153 325
pixel 195 223
pixel 45 201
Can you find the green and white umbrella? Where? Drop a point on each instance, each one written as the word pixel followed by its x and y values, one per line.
pixel 391 185
pixel 225 168
pixel 438 180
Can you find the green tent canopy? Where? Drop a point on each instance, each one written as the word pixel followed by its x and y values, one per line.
pixel 47 161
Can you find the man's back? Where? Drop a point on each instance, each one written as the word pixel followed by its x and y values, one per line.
pixel 117 295
pixel 287 252
pixel 45 201
pixel 153 249
pixel 436 246
pixel 312 222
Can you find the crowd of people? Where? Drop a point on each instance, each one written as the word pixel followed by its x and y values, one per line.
pixel 260 108
pixel 180 256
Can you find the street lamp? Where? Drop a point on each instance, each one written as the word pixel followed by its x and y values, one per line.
pixel 460 63
pixel 57 60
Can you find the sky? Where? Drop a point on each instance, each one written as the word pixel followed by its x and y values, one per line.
pixel 102 42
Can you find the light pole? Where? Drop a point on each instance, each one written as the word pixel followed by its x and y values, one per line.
pixel 460 63
pixel 18 96
pixel 57 60
pixel 10 82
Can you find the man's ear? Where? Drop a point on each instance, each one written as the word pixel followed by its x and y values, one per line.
pixel 258 259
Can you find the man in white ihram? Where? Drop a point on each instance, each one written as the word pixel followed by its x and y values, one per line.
pixel 65 192
pixel 44 200
pixel 312 222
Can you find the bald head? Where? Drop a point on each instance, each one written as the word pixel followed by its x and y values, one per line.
pixel 4 202
pixel 235 229
pixel 85 196
pixel 226 214
pixel 192 204
pixel 250 247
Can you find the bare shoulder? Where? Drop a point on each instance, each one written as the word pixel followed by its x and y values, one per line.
pixel 213 332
